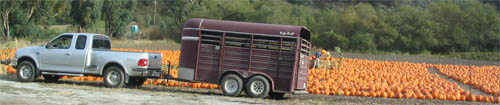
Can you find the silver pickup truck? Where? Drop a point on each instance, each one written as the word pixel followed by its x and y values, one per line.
pixel 82 54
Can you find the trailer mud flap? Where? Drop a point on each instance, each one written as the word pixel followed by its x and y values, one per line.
pixel 186 73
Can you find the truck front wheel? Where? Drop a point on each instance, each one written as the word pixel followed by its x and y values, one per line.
pixel 26 72
pixel 114 77
pixel 232 85
pixel 257 87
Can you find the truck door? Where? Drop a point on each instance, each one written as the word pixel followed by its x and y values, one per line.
pixel 78 55
pixel 55 56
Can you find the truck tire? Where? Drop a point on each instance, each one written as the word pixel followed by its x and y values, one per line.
pixel 135 81
pixel 114 77
pixel 275 95
pixel 257 87
pixel 26 71
pixel 232 85
pixel 51 78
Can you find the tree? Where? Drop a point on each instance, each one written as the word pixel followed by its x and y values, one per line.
pixel 85 13
pixel 6 7
pixel 363 42
pixel 117 15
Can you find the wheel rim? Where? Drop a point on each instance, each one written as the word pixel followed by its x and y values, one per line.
pixel 26 71
pixel 257 87
pixel 231 86
pixel 113 77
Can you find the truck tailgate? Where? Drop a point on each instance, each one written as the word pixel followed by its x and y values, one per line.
pixel 155 60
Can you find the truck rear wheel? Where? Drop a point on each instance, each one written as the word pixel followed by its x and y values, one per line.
pixel 257 87
pixel 232 85
pixel 26 72
pixel 51 78
pixel 114 77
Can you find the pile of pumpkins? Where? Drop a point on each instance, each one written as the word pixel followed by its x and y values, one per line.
pixel 390 79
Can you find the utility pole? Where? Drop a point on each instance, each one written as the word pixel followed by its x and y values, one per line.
pixel 154 19
pixel 154 16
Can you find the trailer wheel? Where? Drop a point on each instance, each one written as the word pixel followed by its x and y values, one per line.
pixel 232 85
pixel 26 72
pixel 51 78
pixel 114 77
pixel 257 87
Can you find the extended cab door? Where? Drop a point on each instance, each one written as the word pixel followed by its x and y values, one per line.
pixel 78 55
pixel 55 56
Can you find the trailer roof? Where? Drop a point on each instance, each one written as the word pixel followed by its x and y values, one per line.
pixel 247 27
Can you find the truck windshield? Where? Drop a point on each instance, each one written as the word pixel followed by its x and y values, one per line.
pixel 101 42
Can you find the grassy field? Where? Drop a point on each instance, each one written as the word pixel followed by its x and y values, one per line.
pixel 146 44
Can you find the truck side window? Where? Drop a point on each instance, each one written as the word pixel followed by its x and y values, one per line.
pixel 63 42
pixel 101 42
pixel 81 41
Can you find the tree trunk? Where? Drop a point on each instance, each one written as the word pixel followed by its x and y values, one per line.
pixel 80 28
pixel 6 24
pixel 30 13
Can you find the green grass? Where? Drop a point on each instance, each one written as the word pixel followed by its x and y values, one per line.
pixel 487 56
pixel 146 44
pixel 18 43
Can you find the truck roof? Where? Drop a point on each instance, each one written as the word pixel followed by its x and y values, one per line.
pixel 85 34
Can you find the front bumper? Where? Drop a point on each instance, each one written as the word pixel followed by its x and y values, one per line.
pixel 149 73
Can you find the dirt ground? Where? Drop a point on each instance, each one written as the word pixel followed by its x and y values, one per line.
pixel 68 92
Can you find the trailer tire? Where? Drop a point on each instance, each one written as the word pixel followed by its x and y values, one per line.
pixel 257 87
pixel 232 85
pixel 26 71
pixel 114 77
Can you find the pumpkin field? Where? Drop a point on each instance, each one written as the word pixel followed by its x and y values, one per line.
pixel 363 78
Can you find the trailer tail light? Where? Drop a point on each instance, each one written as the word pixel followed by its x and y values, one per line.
pixel 143 62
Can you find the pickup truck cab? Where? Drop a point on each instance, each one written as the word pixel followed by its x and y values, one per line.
pixel 82 54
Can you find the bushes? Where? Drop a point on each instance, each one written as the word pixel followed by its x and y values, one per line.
pixel 439 27
pixel 363 42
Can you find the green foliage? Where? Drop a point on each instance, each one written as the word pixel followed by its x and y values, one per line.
pixel 85 13
pixel 362 42
pixel 6 8
pixel 117 15
pixel 398 26
pixel 331 40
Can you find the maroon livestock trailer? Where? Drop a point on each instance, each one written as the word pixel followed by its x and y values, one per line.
pixel 257 58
